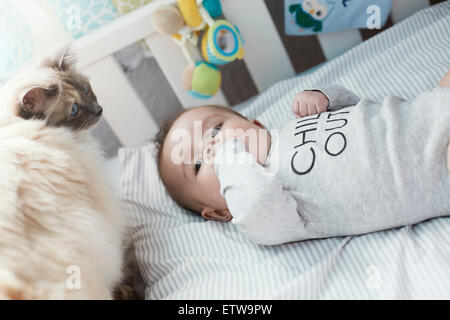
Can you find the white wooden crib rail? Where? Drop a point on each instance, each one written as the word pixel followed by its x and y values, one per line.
pixel 124 111
pixel 265 58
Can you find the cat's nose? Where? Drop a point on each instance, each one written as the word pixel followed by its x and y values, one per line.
pixel 95 109
pixel 99 111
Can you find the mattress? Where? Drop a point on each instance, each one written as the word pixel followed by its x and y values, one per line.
pixel 181 256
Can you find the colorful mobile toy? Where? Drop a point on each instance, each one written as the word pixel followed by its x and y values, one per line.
pixel 221 41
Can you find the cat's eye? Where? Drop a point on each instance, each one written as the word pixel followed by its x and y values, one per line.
pixel 216 130
pixel 319 13
pixel 74 110
pixel 197 167
pixel 87 88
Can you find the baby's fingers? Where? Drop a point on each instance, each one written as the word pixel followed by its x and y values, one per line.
pixel 312 109
pixel 296 108
pixel 304 109
pixel 321 107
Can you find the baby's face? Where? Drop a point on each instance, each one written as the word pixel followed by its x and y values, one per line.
pixel 187 159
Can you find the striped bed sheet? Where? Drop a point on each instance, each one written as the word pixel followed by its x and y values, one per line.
pixel 181 256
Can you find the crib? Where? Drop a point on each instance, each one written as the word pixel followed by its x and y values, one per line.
pixel 267 64
pixel 402 258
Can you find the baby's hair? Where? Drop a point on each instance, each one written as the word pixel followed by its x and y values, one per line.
pixel 162 135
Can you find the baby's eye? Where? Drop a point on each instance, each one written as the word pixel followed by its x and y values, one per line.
pixel 216 130
pixel 198 164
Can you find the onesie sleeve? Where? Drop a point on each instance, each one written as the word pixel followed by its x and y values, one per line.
pixel 260 207
pixel 338 96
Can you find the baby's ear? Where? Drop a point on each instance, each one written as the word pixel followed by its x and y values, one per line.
pixel 33 101
pixel 217 214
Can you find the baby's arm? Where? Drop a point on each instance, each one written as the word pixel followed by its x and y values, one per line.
pixel 260 207
pixel 321 99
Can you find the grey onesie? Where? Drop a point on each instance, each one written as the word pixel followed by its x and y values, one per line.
pixel 360 167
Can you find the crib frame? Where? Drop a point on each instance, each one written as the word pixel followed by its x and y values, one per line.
pixel 125 112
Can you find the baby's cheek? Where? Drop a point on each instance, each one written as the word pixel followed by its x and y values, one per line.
pixel 211 187
pixel 218 141
pixel 207 177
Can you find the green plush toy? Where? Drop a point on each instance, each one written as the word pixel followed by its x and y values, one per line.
pixel 202 80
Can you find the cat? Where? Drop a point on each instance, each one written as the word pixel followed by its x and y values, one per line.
pixel 51 89
pixel 60 224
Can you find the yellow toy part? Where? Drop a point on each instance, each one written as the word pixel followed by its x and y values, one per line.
pixel 177 37
pixel 204 45
pixel 241 54
pixel 190 13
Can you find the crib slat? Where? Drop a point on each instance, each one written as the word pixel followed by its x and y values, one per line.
pixel 335 44
pixel 265 55
pixel 402 9
pixel 172 63
pixel 123 109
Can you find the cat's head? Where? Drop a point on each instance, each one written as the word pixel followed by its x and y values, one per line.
pixel 63 98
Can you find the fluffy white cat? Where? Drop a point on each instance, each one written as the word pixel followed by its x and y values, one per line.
pixel 60 223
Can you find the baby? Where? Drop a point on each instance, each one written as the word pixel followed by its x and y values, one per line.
pixel 342 166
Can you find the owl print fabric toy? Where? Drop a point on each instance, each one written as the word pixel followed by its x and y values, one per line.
pixel 306 17
pixel 309 14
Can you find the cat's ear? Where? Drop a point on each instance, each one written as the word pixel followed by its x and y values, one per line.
pixel 64 59
pixel 33 101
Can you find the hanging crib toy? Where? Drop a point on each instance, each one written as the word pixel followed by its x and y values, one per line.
pixel 221 41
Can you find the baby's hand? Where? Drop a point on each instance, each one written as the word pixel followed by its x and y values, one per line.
pixel 307 103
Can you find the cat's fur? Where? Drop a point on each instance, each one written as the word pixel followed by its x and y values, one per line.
pixel 58 217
